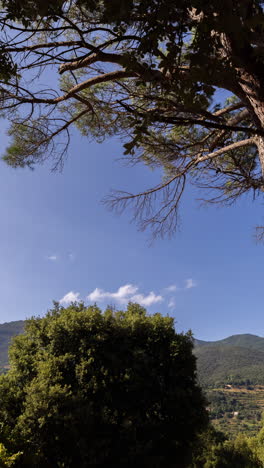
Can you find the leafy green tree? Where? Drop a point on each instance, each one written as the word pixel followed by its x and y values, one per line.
pixel 6 459
pixel 111 388
pixel 27 13
pixel 213 450
pixel 257 443
pixel 149 71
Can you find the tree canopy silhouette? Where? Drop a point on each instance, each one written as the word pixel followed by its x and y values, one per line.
pixel 180 82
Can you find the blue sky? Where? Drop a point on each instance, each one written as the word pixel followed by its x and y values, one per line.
pixel 57 238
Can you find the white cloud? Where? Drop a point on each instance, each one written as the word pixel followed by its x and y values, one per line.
pixel 121 295
pixel 171 288
pixel 128 292
pixel 97 295
pixel 69 297
pixel 53 258
pixel 190 283
pixel 148 300
pixel 124 292
pixel 172 303
pixel 71 256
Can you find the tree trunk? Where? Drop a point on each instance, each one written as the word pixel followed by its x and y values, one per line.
pixel 249 88
pixel 253 94
pixel 253 90
pixel 260 146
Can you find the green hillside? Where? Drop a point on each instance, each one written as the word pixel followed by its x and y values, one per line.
pixel 7 331
pixel 238 359
pixel 246 341
pixel 219 365
pixel 232 374
pixel 236 409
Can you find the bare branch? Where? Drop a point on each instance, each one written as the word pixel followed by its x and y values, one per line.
pixel 259 234
pixel 44 45
pixel 230 108
pixel 183 121
pixel 111 76
pixel 226 149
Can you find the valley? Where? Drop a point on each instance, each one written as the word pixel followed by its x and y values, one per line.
pixel 236 409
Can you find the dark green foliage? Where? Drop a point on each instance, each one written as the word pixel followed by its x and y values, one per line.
pixel 30 10
pixel 215 451
pixel 87 387
pixel 7 67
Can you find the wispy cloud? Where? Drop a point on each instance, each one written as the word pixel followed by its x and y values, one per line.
pixel 64 256
pixel 128 292
pixel 52 258
pixel 171 288
pixel 69 297
pixel 172 303
pixel 190 283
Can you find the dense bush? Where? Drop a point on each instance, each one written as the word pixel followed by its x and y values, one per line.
pixel 213 450
pixel 87 387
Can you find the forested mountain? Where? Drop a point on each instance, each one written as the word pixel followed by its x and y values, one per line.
pixel 238 359
pixel 7 331
pixel 246 341
pixel 229 364
pixel 231 371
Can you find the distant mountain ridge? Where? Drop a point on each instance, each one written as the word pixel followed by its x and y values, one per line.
pixel 238 359
pixel 245 340
pixel 7 331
